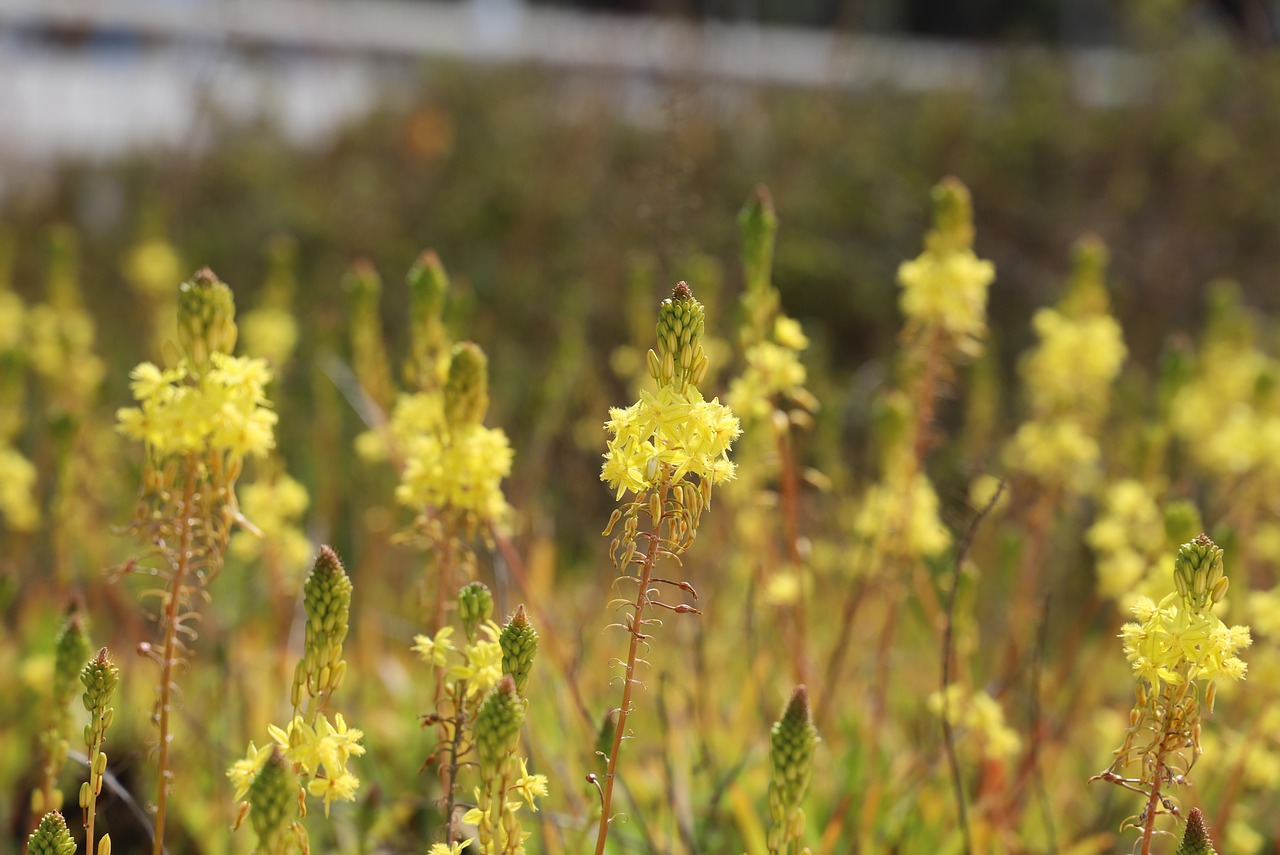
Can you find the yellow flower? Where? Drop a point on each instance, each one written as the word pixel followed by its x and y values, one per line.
pixel 529 787
pixel 243 771
pixel 434 650
pixel 456 848
pixel 342 786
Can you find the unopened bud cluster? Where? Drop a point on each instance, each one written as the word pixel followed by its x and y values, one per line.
pixel 327 598
pixel 273 798
pixel 206 318
pixel 519 641
pixel 791 746
pixel 679 359
pixel 475 606
pixel 51 837
pixel 1198 573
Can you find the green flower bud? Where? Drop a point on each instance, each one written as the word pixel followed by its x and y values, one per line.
pixel 759 226
pixel 791 746
pixel 1196 840
pixel 466 392
pixel 428 289
pixel 680 357
pixel 475 606
pixel 206 318
pixel 1198 572
pixel 1086 288
pixel 952 217
pixel 72 651
pixel 273 797
pixel 327 598
pixel 519 641
pixel 497 727
pixel 100 677
pixel 51 837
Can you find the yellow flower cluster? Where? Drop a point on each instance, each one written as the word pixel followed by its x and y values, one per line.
pixel 902 519
pixel 269 333
pixel 225 409
pixel 460 471
pixel 318 752
pixel 1128 538
pixel 1175 643
pixel 1068 379
pixel 979 715
pixel 274 507
pixel 1228 415
pixel 1055 451
pixel 1075 362
pixel 60 348
pixel 670 428
pixel 772 369
pixel 948 291
pixel 945 287
pixel 17 491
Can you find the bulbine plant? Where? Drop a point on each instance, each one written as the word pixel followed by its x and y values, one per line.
pixel 199 419
pixel 667 451
pixel 1178 650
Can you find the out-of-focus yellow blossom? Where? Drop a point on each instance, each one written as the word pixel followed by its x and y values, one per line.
pixel 60 349
pixel 274 508
pixel 1068 378
pixel 945 287
pixel 670 428
pixel 979 716
pixel 434 651
pixel 152 266
pixel 1242 838
pixel 462 471
pixel 1228 414
pixel 1075 362
pixel 225 409
pixel 1056 451
pixel 902 519
pixel 17 491
pixel 269 333
pixel 772 370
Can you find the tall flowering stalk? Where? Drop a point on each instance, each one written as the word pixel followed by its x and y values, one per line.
pixel 667 450
pixel 198 419
pixel 1178 650
pixel 100 677
pixel 72 651
pixel 310 754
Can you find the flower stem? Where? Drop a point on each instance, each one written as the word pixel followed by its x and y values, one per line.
pixel 620 729
pixel 168 660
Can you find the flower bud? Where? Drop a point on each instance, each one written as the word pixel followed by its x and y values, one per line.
pixel 497 727
pixel 466 392
pixel 1195 839
pixel 475 606
pixel 791 746
pixel 1198 571
pixel 759 226
pixel 679 332
pixel 327 599
pixel 519 642
pixel 274 800
pixel 206 318
pixel 51 837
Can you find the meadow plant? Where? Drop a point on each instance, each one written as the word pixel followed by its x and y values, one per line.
pixel 479 714
pixel 198 420
pixel 310 754
pixel 100 677
pixel 667 450
pixel 791 745
pixel 52 837
pixel 1178 650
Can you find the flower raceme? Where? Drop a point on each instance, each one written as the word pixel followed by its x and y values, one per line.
pixel 181 410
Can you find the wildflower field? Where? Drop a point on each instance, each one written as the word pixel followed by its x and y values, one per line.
pixel 452 508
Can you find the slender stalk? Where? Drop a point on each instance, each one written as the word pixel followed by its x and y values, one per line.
pixel 172 604
pixel 1153 805
pixel 642 600
pixel 455 749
